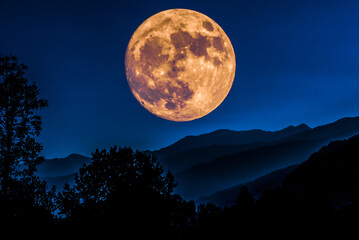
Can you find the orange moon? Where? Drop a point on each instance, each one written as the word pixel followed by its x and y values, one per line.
pixel 180 65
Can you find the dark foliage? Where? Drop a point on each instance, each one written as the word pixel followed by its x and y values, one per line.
pixel 128 192
pixel 24 200
pixel 19 122
pixel 22 213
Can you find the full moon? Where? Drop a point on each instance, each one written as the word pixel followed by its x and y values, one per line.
pixel 180 65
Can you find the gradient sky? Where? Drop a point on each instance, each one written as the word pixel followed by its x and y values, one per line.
pixel 297 62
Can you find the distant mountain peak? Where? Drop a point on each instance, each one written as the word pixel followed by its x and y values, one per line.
pixel 225 131
pixel 62 166
pixel 230 137
pixel 299 128
pixel 303 125
pixel 72 155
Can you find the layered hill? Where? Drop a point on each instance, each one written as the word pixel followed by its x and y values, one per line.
pixel 58 171
pixel 227 197
pixel 244 155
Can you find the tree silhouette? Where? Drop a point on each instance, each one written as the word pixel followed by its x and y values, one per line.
pixel 129 190
pixel 245 201
pixel 19 123
pixel 23 197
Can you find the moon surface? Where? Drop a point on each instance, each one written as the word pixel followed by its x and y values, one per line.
pixel 180 65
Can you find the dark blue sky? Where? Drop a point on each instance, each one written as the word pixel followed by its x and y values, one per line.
pixel 297 62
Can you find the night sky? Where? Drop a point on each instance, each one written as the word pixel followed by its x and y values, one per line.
pixel 297 62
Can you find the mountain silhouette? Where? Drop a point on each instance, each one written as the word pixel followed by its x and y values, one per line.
pixel 229 137
pixel 321 195
pixel 193 150
pixel 220 170
pixel 331 174
pixel 182 160
pixel 340 129
pixel 59 167
pixel 227 197
pixel 230 170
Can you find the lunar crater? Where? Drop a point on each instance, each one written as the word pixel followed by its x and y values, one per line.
pixel 180 65
pixel 208 26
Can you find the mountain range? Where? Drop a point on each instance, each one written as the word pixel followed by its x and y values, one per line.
pixel 223 162
pixel 58 171
pixel 57 167
pixel 223 159
pixel 227 197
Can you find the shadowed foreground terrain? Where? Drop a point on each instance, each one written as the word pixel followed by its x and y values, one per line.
pixel 127 192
